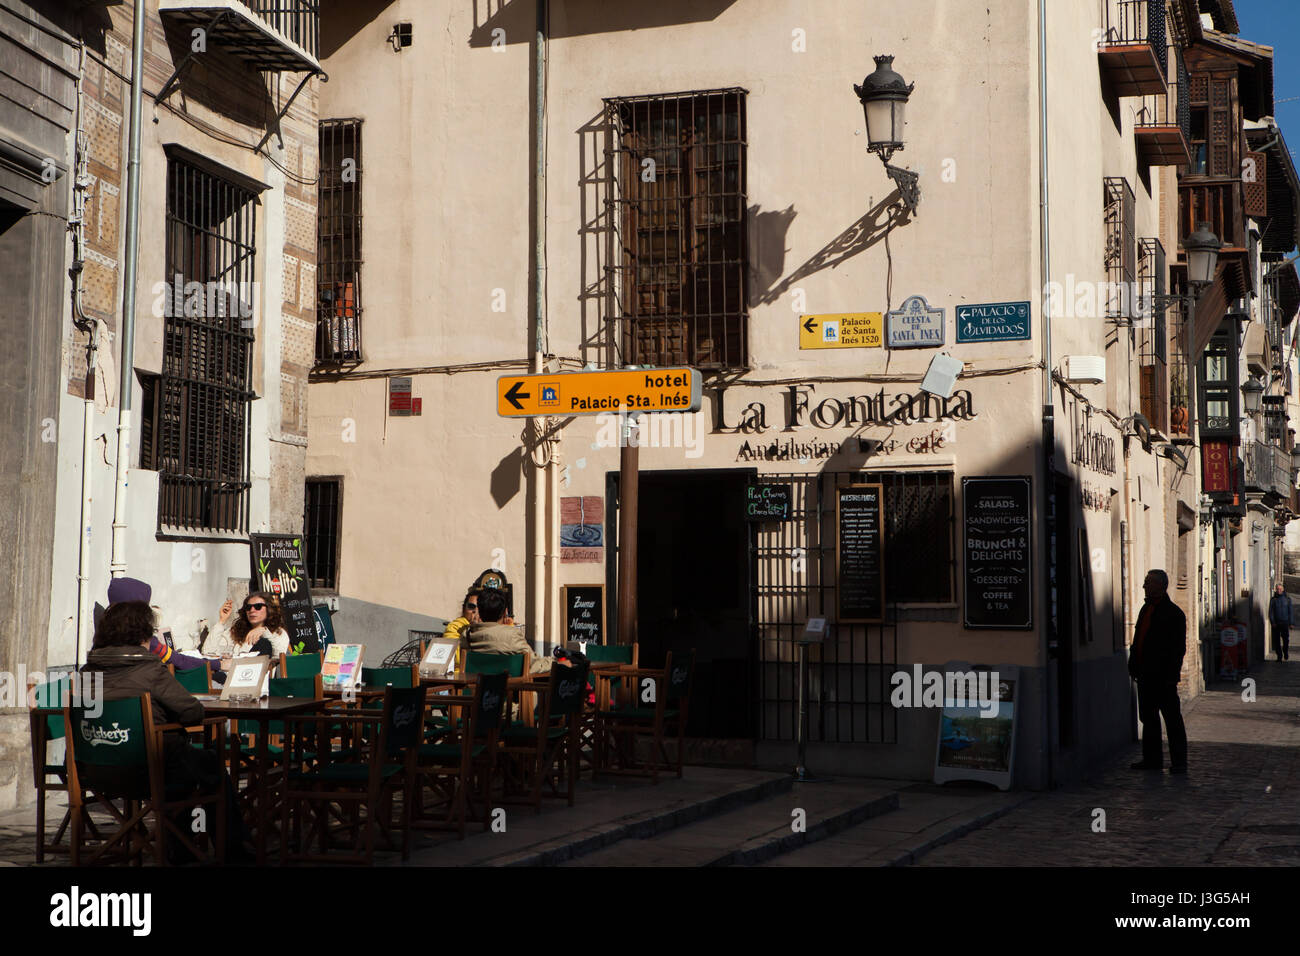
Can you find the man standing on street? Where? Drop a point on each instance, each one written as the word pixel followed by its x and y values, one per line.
pixel 1156 663
pixel 1279 615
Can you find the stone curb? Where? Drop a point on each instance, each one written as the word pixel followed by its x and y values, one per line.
pixel 646 825
pixel 911 856
pixel 760 849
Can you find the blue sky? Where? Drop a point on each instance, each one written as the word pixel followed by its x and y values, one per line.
pixel 1276 23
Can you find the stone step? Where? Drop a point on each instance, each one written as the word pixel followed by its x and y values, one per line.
pixel 755 833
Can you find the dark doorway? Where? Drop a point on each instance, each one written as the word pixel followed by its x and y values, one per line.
pixel 693 591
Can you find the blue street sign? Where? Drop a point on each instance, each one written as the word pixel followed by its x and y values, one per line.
pixel 993 322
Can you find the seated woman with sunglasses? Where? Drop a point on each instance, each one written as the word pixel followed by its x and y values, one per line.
pixel 258 628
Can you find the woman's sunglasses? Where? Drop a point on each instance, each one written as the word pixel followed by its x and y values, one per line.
pixel 254 607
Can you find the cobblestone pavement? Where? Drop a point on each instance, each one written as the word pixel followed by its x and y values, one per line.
pixel 1239 804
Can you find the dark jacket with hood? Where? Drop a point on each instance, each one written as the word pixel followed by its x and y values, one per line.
pixel 132 671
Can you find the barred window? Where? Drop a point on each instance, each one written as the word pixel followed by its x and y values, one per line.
pixel 320 525
pixel 679 188
pixel 196 410
pixel 338 243
pixel 1120 258
pixel 1153 340
pixel 919 527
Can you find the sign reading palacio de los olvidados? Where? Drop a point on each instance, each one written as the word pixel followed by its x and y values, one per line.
pixel 801 407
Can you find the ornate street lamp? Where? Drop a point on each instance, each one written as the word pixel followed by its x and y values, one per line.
pixel 884 95
pixel 1202 248
pixel 1253 393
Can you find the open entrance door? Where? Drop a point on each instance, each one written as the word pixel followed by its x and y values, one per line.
pixel 693 591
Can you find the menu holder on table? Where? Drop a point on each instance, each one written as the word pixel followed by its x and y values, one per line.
pixel 439 657
pixel 246 679
pixel 342 666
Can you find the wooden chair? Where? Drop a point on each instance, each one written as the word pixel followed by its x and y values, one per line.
pixel 196 680
pixel 119 755
pixel 551 747
pixel 45 713
pixel 300 665
pixel 618 728
pixel 368 783
pixel 468 744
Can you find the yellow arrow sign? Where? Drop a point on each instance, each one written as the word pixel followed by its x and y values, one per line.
pixel 591 393
pixel 842 330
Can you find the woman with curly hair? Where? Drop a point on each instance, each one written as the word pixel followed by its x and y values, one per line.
pixel 258 628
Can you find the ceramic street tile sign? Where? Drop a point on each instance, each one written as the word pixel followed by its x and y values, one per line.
pixel 993 322
pixel 915 325
pixel 841 330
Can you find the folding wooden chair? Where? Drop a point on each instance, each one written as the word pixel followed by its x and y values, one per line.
pixel 119 755
pixel 617 729
pixel 368 783
pixel 550 749
pixel 45 712
pixel 469 743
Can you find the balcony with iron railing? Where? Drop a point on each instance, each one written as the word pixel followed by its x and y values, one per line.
pixel 1268 470
pixel 1163 125
pixel 1132 48
pixel 273 35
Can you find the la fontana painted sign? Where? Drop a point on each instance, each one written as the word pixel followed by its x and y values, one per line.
pixel 801 407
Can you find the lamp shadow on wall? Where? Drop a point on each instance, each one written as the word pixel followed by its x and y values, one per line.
pixel 768 242
pixel 514 21
pixel 341 20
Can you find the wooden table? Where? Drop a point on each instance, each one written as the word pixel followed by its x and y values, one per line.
pixel 263 711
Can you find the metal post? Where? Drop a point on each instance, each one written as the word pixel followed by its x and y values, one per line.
pixel 628 503
pixel 801 772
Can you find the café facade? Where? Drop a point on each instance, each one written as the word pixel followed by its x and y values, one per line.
pixel 870 446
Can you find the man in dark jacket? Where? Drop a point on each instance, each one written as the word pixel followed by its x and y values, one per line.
pixel 1279 615
pixel 1156 663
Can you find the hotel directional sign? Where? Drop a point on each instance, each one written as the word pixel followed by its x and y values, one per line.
pixel 843 330
pixel 591 393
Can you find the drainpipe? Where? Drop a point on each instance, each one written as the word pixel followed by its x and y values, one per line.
pixel 1048 536
pixel 541 472
pixel 117 566
pixel 84 323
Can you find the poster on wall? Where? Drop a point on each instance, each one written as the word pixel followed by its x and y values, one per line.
pixel 998 569
pixel 977 738
pixel 860 553
pixel 278 568
pixel 582 530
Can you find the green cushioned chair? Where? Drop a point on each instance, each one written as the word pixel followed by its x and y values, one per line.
pixel 300 665
pixel 470 743
pixel 480 662
pixel 196 680
pixel 46 727
pixel 551 749
pixel 368 786
pixel 667 717
pixel 117 754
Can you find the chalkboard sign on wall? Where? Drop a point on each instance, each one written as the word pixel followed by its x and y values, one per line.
pixel 584 612
pixel 860 553
pixel 278 569
pixel 998 566
pixel 767 502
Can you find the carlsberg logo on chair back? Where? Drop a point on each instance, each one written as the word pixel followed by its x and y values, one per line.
pixel 114 737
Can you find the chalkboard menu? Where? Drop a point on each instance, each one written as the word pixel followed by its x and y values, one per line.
pixel 584 612
pixel 999 576
pixel 768 502
pixel 278 569
pixel 860 553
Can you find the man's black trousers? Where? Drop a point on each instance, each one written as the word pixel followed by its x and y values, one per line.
pixel 1281 640
pixel 1156 700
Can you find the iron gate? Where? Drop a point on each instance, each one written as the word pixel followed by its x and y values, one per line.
pixel 849 675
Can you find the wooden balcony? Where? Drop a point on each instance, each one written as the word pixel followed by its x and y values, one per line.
pixel 1218 202
pixel 1131 50
pixel 272 35
pixel 1268 470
